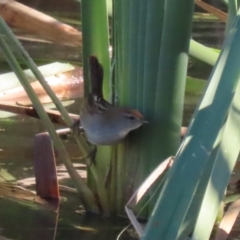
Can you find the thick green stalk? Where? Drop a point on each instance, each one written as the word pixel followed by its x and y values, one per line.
pixel 117 46
pixel 233 6
pixel 134 12
pixel 121 35
pixel 85 194
pixel 172 75
pixel 140 39
pixel 203 53
pixel 124 56
pixel 137 41
pixel 118 157
pixel 153 39
pixel 95 39
pixel 96 42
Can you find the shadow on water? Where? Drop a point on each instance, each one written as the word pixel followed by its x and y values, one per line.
pixel 24 221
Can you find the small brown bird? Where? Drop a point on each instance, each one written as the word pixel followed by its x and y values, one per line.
pixel 103 123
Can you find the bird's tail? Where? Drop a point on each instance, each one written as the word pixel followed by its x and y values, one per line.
pixel 96 76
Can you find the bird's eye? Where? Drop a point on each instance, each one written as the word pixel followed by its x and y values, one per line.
pixel 131 117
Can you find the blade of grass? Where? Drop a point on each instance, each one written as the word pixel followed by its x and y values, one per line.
pixel 225 161
pixel 192 157
pixel 85 194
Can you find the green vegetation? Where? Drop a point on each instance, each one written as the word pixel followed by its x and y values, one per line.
pixel 151 42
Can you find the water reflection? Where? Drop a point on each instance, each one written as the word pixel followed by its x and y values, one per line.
pixel 22 222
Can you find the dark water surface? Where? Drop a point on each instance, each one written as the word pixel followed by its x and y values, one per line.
pixel 18 221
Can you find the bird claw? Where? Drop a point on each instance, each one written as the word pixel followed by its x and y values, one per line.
pixel 91 156
pixel 76 129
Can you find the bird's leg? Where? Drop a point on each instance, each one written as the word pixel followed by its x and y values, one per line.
pixel 76 129
pixel 91 156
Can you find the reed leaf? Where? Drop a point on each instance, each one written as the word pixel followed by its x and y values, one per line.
pixel 203 53
pixel 96 42
pixel 84 192
pixel 192 159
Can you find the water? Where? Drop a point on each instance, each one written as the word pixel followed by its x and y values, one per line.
pixel 29 222
pixel 21 222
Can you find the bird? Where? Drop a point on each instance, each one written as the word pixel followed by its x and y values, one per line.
pixel 103 123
